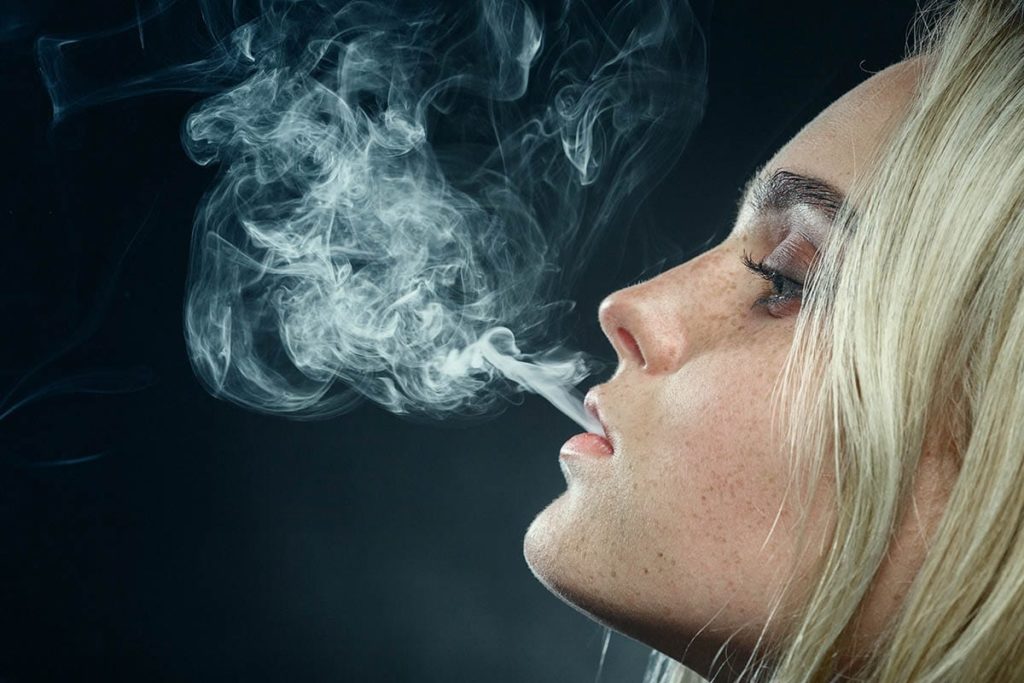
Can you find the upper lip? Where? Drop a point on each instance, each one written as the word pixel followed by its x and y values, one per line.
pixel 592 403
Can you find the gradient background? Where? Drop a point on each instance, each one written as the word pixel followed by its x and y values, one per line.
pixel 213 544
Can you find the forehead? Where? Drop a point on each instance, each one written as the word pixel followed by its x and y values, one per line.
pixel 845 136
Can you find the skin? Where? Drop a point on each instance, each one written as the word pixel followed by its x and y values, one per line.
pixel 665 540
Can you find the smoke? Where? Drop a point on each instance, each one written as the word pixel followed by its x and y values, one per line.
pixel 404 194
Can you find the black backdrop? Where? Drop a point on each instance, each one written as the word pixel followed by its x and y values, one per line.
pixel 209 543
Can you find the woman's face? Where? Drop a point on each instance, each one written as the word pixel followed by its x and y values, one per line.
pixel 665 539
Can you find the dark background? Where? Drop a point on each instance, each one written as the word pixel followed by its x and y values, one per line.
pixel 208 543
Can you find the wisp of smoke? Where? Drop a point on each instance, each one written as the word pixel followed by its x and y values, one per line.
pixel 404 195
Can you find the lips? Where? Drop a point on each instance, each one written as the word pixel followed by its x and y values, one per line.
pixel 592 404
pixel 586 444
pixel 589 443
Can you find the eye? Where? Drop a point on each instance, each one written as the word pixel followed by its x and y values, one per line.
pixel 783 289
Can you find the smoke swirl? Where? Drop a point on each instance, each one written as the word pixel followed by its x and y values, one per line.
pixel 404 194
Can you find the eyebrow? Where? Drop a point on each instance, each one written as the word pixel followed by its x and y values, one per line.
pixel 784 189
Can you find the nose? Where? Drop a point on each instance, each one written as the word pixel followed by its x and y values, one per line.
pixel 644 323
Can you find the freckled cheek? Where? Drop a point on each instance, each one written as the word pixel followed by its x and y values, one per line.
pixel 709 470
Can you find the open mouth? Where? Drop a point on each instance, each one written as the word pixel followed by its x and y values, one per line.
pixel 590 443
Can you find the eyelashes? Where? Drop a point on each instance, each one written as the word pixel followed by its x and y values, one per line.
pixel 783 289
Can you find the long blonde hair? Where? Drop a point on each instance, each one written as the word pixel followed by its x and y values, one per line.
pixel 913 320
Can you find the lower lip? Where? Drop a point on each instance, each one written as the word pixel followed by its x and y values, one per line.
pixel 588 444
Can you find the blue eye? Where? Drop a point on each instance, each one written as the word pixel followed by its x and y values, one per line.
pixel 782 290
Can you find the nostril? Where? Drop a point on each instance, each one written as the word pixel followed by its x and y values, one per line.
pixel 629 342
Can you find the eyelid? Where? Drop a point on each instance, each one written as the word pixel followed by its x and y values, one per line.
pixel 766 270
pixel 775 297
pixel 799 250
pixel 793 252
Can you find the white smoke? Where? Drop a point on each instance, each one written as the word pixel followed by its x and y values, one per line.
pixel 405 195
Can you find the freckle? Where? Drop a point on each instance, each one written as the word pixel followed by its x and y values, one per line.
pixel 614 575
pixel 646 571
pixel 661 554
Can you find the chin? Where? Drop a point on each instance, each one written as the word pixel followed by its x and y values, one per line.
pixel 556 559
pixel 549 554
pixel 540 544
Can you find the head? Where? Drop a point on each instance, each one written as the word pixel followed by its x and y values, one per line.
pixel 821 471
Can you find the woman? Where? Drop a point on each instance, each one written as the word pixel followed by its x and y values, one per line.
pixel 819 475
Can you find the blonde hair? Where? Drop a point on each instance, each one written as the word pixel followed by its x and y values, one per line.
pixel 913 321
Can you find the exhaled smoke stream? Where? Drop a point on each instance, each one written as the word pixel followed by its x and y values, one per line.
pixel 405 195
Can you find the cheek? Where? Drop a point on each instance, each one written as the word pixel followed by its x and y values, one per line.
pixel 708 472
pixel 713 437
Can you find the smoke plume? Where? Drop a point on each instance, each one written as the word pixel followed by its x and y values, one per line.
pixel 405 195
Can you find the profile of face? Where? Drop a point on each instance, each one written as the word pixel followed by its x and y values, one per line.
pixel 667 539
